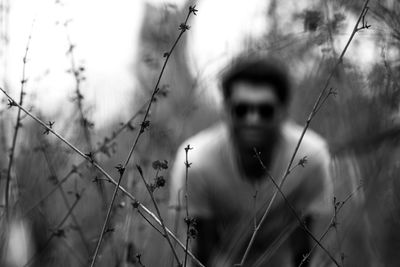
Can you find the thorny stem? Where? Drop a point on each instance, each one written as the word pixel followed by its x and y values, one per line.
pixel 144 122
pixel 155 218
pixel 176 221
pixel 127 229
pixel 332 223
pixel 307 124
pixel 292 209
pixel 65 199
pixel 330 30
pixel 83 121
pixel 16 128
pixel 276 243
pixel 110 179
pixel 76 72
pixel 127 124
pixel 188 221
pixel 330 92
pixel 108 176
pixel 255 209
pixel 77 256
pixel 165 234
pixel 149 222
pixel 337 235
pixel 58 227
pixel 138 256
pixel 59 183
pixel 101 148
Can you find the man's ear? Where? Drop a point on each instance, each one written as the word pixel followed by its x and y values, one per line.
pixel 284 110
pixel 225 105
pixel 285 113
pixel 226 112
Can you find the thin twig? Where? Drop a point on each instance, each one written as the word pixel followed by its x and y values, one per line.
pixel 56 233
pixel 196 261
pixel 84 122
pixel 165 234
pixel 65 199
pixel 138 257
pixel 59 183
pixel 73 251
pixel 187 219
pixel 102 171
pixel 177 208
pixel 183 28
pixel 77 74
pixel 307 124
pixel 338 206
pixel 17 125
pixel 145 123
pixel 101 148
pixel 149 222
pixel 292 209
pixel 276 244
pixel 255 209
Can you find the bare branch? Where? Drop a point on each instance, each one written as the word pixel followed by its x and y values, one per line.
pixel 313 112
pixel 144 124
pixel 17 125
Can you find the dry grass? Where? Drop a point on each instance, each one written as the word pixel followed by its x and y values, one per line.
pixel 59 200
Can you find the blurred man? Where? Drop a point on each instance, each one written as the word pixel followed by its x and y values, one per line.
pixel 228 190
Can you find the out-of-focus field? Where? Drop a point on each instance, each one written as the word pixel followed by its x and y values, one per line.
pixel 58 202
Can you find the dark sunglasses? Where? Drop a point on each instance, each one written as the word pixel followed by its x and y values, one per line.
pixel 265 111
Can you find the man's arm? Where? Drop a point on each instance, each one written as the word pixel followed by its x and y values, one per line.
pixel 319 187
pixel 301 243
pixel 198 207
pixel 312 197
pixel 206 239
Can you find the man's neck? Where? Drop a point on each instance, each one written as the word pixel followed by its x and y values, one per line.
pixel 249 162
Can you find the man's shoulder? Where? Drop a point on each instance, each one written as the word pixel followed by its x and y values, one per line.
pixel 206 144
pixel 312 144
pixel 208 136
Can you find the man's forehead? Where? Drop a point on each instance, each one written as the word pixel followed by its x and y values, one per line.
pixel 243 91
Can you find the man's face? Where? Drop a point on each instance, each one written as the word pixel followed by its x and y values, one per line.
pixel 255 113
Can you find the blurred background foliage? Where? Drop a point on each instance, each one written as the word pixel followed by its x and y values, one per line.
pixel 360 123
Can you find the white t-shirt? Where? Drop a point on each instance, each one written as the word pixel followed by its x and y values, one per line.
pixel 218 190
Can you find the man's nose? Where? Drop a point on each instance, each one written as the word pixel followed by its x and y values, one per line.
pixel 253 117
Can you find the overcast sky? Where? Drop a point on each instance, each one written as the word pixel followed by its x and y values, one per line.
pixel 105 33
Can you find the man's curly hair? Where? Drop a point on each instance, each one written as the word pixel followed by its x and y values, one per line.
pixel 257 68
